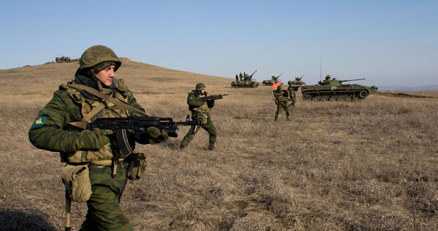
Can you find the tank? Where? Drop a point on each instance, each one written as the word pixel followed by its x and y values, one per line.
pixel 297 83
pixel 271 81
pixel 334 89
pixel 245 80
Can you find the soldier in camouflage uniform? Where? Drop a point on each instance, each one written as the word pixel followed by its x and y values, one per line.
pixel 200 112
pixel 292 95
pixel 281 98
pixel 93 148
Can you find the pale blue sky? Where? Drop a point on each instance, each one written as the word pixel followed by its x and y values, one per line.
pixel 388 42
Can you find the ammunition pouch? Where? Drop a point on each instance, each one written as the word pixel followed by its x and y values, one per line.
pixel 77 181
pixel 200 117
pixel 137 166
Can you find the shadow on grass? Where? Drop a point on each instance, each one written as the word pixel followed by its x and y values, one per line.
pixel 34 220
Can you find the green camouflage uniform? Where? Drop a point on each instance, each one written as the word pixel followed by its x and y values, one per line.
pixel 107 181
pixel 292 95
pixel 200 112
pixel 281 101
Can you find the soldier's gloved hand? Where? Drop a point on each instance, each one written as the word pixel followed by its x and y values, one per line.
pixel 152 135
pixel 93 139
pixel 155 136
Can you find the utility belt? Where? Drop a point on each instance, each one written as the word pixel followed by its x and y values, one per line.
pixel 200 116
pixel 77 180
pixel 101 164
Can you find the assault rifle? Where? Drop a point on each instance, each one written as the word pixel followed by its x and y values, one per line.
pixel 212 97
pixel 138 124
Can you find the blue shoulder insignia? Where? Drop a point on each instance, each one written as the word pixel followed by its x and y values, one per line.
pixel 39 122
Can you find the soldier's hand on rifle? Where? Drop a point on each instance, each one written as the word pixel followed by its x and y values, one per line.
pixel 152 136
pixel 155 136
pixel 93 139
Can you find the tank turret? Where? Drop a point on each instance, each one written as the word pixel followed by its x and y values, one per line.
pixel 297 83
pixel 245 80
pixel 271 81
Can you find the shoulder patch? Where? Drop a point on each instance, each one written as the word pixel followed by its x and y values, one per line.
pixel 39 122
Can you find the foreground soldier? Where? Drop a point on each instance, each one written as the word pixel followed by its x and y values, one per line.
pixel 281 97
pixel 199 109
pixel 95 171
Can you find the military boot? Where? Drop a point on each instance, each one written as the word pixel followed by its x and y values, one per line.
pixel 211 146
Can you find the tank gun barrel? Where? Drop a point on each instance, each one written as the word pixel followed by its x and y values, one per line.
pixel 253 73
pixel 348 80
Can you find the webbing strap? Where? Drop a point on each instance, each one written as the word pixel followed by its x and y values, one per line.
pixel 93 112
pixel 107 98
pixel 83 123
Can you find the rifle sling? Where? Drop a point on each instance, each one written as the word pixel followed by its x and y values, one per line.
pixel 83 123
pixel 107 98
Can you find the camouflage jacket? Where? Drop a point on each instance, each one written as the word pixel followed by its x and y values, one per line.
pixel 70 105
pixel 280 95
pixel 196 105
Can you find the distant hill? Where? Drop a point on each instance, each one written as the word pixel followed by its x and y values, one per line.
pixel 141 77
pixel 430 88
pixel 391 88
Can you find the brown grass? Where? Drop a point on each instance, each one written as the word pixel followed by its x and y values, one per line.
pixel 368 165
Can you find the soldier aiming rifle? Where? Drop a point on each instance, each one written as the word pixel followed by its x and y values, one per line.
pixel 199 104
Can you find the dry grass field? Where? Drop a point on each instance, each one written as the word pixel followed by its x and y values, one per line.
pixel 367 165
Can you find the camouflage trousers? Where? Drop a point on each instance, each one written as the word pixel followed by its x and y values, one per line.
pixel 282 105
pixel 208 126
pixel 104 212
pixel 292 97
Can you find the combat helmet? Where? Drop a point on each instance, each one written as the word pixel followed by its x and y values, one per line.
pixel 98 54
pixel 200 86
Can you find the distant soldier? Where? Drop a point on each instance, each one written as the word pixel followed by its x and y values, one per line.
pixel 237 78
pixel 240 76
pixel 292 95
pixel 326 80
pixel 199 109
pixel 281 97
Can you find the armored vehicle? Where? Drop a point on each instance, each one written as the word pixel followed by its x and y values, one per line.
pixel 245 80
pixel 297 83
pixel 333 89
pixel 271 81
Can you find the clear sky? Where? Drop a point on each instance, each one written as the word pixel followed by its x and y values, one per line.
pixel 388 42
